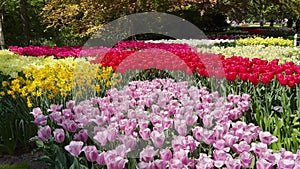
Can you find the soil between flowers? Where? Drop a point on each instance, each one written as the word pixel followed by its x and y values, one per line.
pixel 27 157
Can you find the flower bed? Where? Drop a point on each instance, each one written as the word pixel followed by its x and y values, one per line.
pixel 265 41
pixel 185 117
pixel 284 54
pixel 159 124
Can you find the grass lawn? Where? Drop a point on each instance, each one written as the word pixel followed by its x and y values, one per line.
pixel 17 166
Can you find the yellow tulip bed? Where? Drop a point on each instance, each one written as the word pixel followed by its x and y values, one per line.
pixel 269 41
pixel 36 78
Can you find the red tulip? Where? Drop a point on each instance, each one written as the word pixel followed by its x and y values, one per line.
pixel 267 77
pixel 282 80
pixel 288 71
pixel 244 76
pixel 231 76
pixel 254 78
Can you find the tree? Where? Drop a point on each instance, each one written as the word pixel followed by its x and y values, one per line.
pixel 234 9
pixel 2 40
pixel 274 8
pixel 84 17
pixel 25 19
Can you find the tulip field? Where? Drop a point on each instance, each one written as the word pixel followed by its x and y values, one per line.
pixel 154 104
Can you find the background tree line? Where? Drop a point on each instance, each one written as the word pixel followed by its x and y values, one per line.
pixel 60 22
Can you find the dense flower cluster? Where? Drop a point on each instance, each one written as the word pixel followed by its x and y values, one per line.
pixel 255 70
pixel 283 53
pixel 219 37
pixel 78 51
pixel 11 64
pixel 258 70
pixel 60 52
pixel 174 121
pixel 56 80
pixel 139 55
pixel 265 41
pixel 194 42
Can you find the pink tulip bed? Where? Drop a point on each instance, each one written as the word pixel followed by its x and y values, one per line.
pixel 159 124
pixel 232 112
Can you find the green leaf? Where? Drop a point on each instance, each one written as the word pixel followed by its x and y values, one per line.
pixel 75 164
pixel 45 158
pixel 85 167
pixel 60 157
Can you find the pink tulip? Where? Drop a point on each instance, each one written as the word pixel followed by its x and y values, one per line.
pixel 157 138
pixel 176 164
pixel 245 159
pixel 233 164
pixel 230 139
pixel 147 154
pixel 116 163
pixel 182 155
pixel 219 131
pixel 100 159
pixel 259 148
pixel 112 133
pixel 74 148
pixel 208 136
pixel 68 114
pixel 167 123
pixel 143 124
pixel 129 141
pixel 91 153
pixel 101 136
pixel 158 127
pixel 165 154
pixel 197 133
pixel 144 165
pixel 36 112
pixel 70 104
pixel 191 119
pixel 246 97
pixel 55 108
pixel 121 150
pixel 44 133
pixel 236 98
pixel 204 162
pixel 59 135
pixel 244 105
pixel 230 97
pixel 270 157
pixel 263 164
pixel 243 146
pixel 208 120
pixel 82 135
pixel 185 143
pixel 267 138
pixel 69 125
pixel 56 117
pixel 287 154
pixel 219 144
pixel 40 120
pixel 180 127
pixel 161 164
pixel 130 127
pixel 155 109
pixel 145 133
pixel 220 157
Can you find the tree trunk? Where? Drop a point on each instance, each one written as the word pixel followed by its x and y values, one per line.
pixel 25 20
pixel 2 42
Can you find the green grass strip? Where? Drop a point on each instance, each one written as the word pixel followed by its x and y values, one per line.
pixel 16 166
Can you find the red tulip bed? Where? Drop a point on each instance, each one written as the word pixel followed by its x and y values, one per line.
pixel 255 70
pixel 168 123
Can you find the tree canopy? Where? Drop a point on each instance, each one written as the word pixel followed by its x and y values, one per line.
pixel 33 21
